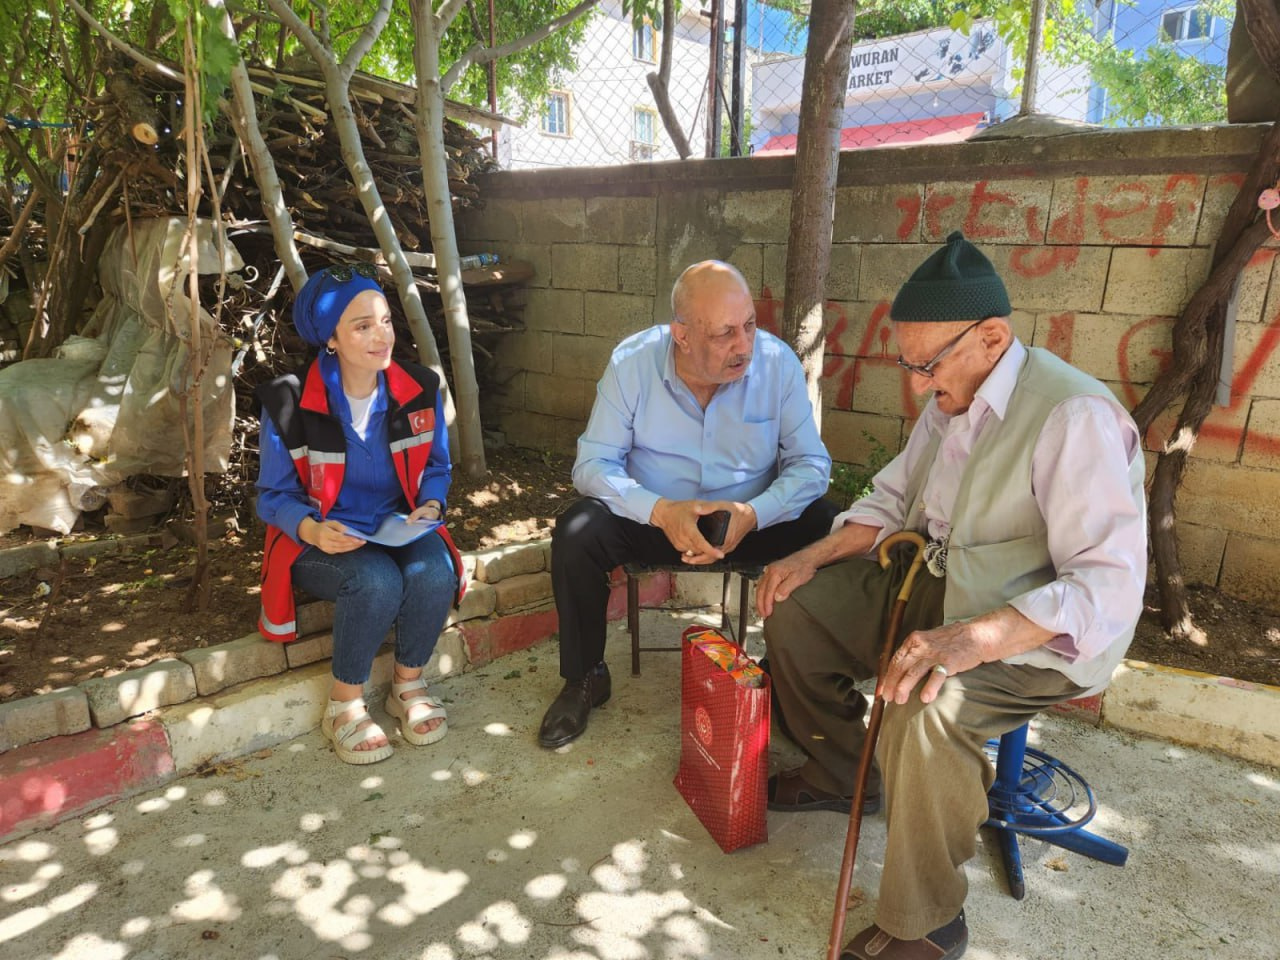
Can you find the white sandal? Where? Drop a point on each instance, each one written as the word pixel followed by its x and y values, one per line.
pixel 403 709
pixel 349 736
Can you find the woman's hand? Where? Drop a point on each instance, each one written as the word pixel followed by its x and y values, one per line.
pixel 328 536
pixel 428 511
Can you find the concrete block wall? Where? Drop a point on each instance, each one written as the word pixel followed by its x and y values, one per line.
pixel 1101 237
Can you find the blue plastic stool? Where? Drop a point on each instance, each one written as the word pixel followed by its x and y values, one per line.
pixel 1040 796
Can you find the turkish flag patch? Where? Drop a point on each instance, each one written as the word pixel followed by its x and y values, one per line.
pixel 421 421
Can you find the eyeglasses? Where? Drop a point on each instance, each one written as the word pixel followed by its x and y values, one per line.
pixel 344 272
pixel 926 369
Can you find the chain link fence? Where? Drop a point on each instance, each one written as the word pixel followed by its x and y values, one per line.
pixel 928 74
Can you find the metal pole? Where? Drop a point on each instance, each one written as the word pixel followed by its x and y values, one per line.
pixel 713 78
pixel 493 85
pixel 736 106
pixel 1030 76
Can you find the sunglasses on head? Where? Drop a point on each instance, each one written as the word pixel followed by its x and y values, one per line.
pixel 346 271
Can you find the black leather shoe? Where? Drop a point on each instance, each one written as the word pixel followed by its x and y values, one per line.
pixel 566 718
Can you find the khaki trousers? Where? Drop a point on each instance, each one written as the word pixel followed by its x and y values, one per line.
pixel 826 637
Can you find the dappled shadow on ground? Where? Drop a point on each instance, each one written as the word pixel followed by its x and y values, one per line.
pixel 94 616
pixel 486 846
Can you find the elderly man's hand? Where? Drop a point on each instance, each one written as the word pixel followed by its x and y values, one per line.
pixel 678 519
pixel 953 647
pixel 957 647
pixel 781 578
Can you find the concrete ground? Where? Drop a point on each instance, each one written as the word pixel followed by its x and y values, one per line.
pixel 484 845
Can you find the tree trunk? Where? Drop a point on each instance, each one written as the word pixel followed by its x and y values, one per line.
pixel 198 592
pixel 429 122
pixel 48 328
pixel 337 84
pixel 813 190
pixel 244 114
pixel 1262 20
pixel 1198 341
pixel 660 83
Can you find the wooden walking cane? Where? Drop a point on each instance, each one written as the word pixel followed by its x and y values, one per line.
pixel 873 732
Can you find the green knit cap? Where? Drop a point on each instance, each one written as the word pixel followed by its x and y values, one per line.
pixel 956 282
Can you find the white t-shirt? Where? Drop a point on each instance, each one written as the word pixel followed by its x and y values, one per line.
pixel 360 408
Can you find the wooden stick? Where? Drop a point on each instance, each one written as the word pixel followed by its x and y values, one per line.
pixel 873 732
pixel 19 225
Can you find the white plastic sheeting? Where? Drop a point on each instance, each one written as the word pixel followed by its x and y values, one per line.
pixel 109 406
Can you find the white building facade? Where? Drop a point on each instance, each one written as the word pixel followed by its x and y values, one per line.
pixel 604 113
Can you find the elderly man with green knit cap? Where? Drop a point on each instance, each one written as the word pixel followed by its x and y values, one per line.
pixel 1025 476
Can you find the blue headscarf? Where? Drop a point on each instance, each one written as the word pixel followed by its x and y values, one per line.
pixel 321 301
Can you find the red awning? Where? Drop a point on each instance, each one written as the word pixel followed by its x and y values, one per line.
pixel 930 130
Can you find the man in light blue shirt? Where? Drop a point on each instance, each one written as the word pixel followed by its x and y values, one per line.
pixel 704 416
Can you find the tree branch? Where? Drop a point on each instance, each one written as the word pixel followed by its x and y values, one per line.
pixel 244 116
pixel 480 54
pixel 1243 232
pixel 364 43
pixel 29 167
pixel 306 36
pixel 659 83
pixel 152 65
pixel 19 226
pixel 449 9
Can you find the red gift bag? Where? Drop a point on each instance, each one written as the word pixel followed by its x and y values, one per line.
pixel 724 738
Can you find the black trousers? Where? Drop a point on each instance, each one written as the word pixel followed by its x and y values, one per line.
pixel 589 541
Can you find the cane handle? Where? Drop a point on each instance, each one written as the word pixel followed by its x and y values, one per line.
pixel 904 536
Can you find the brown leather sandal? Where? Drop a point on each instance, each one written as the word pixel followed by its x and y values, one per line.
pixel 790 792
pixel 946 943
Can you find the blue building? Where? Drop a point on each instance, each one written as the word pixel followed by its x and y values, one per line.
pixel 1137 25
pixel 770 30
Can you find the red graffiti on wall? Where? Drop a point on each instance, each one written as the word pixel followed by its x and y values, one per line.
pixel 846 371
pixel 842 370
pixel 910 207
pixel 769 312
pixel 1214 432
pixel 1062 331
pixel 1125 201
pixel 1132 213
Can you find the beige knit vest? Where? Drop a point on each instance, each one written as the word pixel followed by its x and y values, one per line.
pixel 999 540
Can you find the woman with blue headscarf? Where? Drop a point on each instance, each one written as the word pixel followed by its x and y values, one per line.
pixel 352 440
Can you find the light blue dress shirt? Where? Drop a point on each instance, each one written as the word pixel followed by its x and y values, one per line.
pixel 648 437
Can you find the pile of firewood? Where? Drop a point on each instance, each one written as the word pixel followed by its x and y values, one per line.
pixel 294 120
pixel 319 192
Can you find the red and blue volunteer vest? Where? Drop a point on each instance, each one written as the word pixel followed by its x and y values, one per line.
pixel 314 438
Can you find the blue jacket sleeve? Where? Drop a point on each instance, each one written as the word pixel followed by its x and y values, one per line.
pixel 282 502
pixel 439 472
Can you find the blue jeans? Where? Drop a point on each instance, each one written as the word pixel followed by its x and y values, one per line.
pixel 375 587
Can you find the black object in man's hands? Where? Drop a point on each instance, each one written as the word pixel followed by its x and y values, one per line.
pixel 714 526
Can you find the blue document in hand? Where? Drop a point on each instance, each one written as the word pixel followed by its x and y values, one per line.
pixel 397 530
